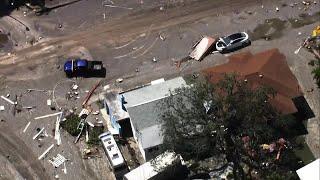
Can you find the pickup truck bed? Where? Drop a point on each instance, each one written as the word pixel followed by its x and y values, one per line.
pixel 95 65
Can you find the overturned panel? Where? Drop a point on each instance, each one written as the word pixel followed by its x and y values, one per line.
pixel 202 48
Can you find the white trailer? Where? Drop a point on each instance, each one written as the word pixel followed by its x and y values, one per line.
pixel 112 150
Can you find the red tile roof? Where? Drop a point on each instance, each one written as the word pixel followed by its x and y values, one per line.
pixel 268 68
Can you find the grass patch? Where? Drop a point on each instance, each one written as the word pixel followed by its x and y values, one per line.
pixel 71 124
pixel 94 136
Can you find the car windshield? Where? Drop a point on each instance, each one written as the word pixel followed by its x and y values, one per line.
pixel 235 36
pixel 227 40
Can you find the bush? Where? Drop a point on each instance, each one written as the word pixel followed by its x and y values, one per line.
pixel 71 124
pixel 94 136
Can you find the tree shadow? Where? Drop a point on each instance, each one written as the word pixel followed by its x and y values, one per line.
pixel 304 110
pixel 47 10
pixel 7 6
pixel 39 6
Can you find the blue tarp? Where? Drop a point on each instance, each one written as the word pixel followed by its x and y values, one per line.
pixel 114 121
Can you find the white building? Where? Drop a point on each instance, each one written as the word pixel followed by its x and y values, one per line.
pixel 143 107
pixel 166 166
pixel 310 171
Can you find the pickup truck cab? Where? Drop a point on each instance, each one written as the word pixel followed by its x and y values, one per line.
pixel 83 67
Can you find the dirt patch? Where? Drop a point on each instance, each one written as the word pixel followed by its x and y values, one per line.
pixel 304 19
pixel 4 39
pixel 270 29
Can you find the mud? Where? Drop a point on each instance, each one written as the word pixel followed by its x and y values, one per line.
pixel 3 40
pixel 270 29
pixel 273 28
pixel 304 19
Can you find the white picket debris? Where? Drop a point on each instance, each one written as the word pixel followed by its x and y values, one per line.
pixel 8 100
pixel 45 152
pixel 25 129
pixel 84 112
pixel 90 124
pixel 154 59
pixel 87 135
pixel 95 112
pixel 49 102
pixel 48 115
pixel 57 131
pixel 111 1
pixel 28 107
pixel 45 133
pixel 162 37
pixel 112 6
pixel 65 168
pixel 119 80
pixel 106 87
pixel 35 136
pixel 75 87
pixel 58 160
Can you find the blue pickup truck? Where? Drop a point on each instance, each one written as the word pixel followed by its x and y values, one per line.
pixel 84 68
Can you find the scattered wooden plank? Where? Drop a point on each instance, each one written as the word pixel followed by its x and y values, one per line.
pixel 8 100
pixel 25 129
pixel 35 136
pixel 57 131
pixel 45 152
pixel 90 94
pixel 121 7
pixel 48 115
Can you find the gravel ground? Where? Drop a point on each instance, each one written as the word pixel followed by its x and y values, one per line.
pixel 127 40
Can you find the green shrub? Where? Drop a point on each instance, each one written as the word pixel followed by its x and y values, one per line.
pixel 71 124
pixel 94 136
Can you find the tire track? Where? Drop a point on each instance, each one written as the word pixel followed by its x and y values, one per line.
pixel 20 156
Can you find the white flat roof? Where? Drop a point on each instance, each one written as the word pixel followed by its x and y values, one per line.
pixel 310 171
pixel 149 170
pixel 151 136
pixel 153 92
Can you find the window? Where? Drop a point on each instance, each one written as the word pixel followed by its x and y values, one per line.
pixel 110 147
pixel 115 156
pixel 236 41
pixel 107 139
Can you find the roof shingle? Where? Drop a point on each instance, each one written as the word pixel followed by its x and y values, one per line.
pixel 268 68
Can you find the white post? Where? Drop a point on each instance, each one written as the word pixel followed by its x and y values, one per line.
pixel 8 100
pixel 46 152
pixel 35 136
pixel 57 131
pixel 49 115
pixel 25 129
